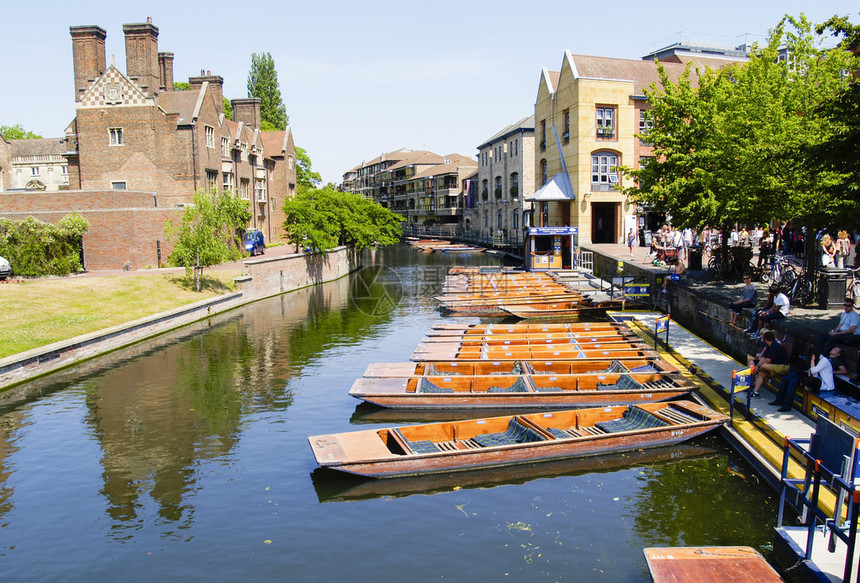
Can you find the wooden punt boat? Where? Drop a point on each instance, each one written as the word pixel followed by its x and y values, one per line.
pixel 520 392
pixel 556 310
pixel 502 309
pixel 532 338
pixel 441 351
pixel 514 367
pixel 526 327
pixel 501 441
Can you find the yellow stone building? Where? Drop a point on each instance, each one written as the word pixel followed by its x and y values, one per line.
pixel 596 107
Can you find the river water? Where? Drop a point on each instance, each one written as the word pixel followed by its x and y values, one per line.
pixel 186 458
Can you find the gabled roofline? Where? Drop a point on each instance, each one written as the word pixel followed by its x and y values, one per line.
pixel 199 105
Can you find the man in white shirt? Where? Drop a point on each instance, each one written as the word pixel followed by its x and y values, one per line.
pixel 777 308
pixel 847 332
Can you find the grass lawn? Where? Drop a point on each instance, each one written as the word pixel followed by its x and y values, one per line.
pixel 42 311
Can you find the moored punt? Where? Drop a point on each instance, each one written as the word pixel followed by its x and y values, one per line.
pixel 533 338
pixel 523 327
pixel 712 564
pixel 523 391
pixel 557 310
pixel 500 441
pixel 443 351
pixel 513 367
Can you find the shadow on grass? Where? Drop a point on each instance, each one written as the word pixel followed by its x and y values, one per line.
pixel 207 284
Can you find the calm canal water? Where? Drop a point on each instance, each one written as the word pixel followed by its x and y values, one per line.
pixel 186 458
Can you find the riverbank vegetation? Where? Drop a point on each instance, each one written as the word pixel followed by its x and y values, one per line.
pixel 39 312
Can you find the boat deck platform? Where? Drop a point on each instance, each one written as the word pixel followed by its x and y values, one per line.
pixel 712 564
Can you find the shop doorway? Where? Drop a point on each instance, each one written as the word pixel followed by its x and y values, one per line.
pixel 604 219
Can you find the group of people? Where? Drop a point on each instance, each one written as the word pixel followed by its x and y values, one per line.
pixel 776 307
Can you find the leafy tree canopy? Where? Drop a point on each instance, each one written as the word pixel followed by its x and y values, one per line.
pixel 209 232
pixel 228 108
pixel 35 248
pixel 322 219
pixel 263 83
pixel 181 86
pixel 729 149
pixel 17 132
pixel 305 175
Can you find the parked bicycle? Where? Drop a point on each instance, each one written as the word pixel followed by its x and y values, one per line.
pixel 852 288
pixel 803 290
pixel 781 272
pixel 734 264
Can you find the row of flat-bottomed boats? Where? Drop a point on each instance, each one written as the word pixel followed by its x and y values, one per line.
pixel 509 440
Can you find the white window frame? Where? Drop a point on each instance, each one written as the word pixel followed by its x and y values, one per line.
pixel 604 168
pixel 645 126
pixel 115 137
pixel 605 122
pixel 118 185
pixel 225 147
pixel 209 132
pixel 260 190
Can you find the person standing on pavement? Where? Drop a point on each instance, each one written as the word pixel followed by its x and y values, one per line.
pixel 631 240
pixel 843 249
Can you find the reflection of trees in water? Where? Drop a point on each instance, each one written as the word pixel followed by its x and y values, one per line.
pixel 9 424
pixel 692 503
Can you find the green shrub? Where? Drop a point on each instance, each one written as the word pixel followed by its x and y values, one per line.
pixel 36 248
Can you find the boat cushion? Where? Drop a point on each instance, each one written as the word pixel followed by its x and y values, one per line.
pixel 627 383
pixel 616 366
pixel 421 446
pixel 645 368
pixel 515 433
pixel 428 387
pixel 559 433
pixel 634 418
pixel 432 371
pixel 517 387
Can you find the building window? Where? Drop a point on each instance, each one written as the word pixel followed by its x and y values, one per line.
pixel 542 172
pixel 210 136
pixel 499 220
pixel 566 117
pixel 244 188
pixel 604 171
pixel 65 169
pixel 115 136
pixel 118 185
pixel 543 135
pixel 227 182
pixel 485 189
pixel 486 218
pixel 243 149
pixel 645 126
pixel 515 220
pixel 498 187
pixel 515 185
pixel 211 180
pixel 260 190
pixel 225 147
pixel 291 163
pixel 517 147
pixel 605 122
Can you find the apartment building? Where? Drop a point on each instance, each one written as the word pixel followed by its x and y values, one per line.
pixel 595 105
pixel 424 187
pixel 505 180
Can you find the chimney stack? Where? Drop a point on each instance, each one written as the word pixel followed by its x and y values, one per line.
pixel 248 111
pixel 88 55
pixel 165 70
pixel 216 86
pixel 141 56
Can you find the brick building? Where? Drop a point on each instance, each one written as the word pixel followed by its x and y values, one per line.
pixel 133 133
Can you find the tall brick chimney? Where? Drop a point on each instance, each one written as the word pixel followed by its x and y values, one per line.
pixel 88 55
pixel 141 55
pixel 165 70
pixel 216 86
pixel 247 110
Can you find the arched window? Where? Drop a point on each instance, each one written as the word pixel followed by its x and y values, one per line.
pixel 515 185
pixel 604 171
pixel 499 220
pixel 515 220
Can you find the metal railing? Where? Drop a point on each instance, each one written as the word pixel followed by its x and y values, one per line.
pixel 803 495
pixel 585 261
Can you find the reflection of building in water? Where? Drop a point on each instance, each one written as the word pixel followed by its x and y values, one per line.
pixel 9 423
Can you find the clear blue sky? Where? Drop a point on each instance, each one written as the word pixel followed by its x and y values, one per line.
pixel 360 78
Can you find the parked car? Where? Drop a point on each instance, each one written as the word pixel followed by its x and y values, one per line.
pixel 254 242
pixel 5 269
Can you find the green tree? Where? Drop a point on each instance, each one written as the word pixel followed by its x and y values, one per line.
pixel 325 218
pixel 729 150
pixel 840 153
pixel 305 175
pixel 181 86
pixel 263 83
pixel 35 248
pixel 209 232
pixel 17 132
pixel 228 108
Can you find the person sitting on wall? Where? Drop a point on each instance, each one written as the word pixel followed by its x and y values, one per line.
pixel 676 271
pixel 778 307
pixel 819 377
pixel 748 299
pixel 773 359
pixel 847 332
